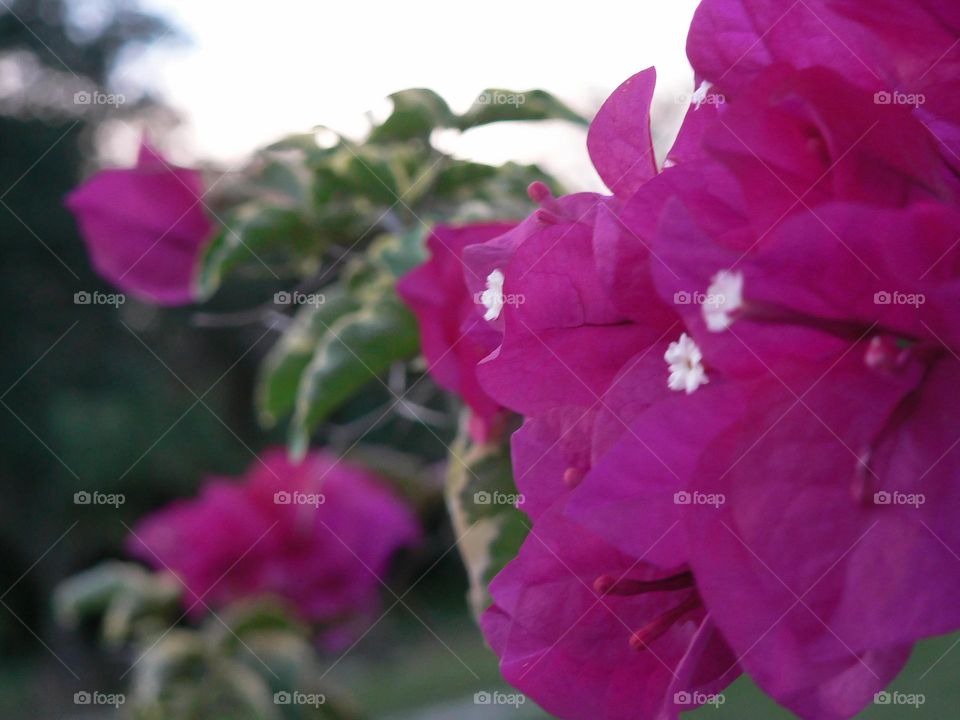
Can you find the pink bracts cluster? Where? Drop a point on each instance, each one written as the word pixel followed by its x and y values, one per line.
pixel 736 372
pixel 318 534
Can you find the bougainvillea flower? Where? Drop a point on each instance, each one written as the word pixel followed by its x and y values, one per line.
pixel 591 633
pixel 145 227
pixel 619 141
pixel 905 53
pixel 563 343
pixel 559 317
pixel 797 138
pixel 559 314
pixel 453 332
pixel 837 477
pixel 796 284
pixel 318 534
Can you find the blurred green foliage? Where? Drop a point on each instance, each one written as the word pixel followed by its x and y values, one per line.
pixel 481 497
pixel 85 405
pixel 253 660
pixel 347 219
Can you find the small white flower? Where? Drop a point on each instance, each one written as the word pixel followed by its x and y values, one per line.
pixel 492 297
pixel 724 298
pixel 686 365
pixel 700 94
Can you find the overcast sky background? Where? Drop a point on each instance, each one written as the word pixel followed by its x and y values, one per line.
pixel 253 72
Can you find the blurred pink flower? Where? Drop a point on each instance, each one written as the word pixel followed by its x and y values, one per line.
pixel 145 227
pixel 318 534
pixel 453 332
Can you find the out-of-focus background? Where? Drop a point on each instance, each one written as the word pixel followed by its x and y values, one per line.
pixel 87 406
pixel 97 397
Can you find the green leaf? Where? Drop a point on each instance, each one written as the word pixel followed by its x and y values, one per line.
pixel 173 680
pixel 480 496
pixel 280 373
pixel 178 654
pixel 124 597
pixel 460 177
pixel 252 615
pixel 498 105
pixel 253 233
pixel 416 113
pixel 371 173
pixel 304 142
pixel 139 610
pixel 397 255
pixel 283 180
pixel 353 351
pixel 90 593
pixel 471 191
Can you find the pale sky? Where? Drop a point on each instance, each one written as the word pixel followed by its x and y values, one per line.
pixel 256 71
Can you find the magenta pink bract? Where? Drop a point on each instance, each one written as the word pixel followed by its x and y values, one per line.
pixel 318 534
pixel 453 334
pixel 567 616
pixel 145 227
